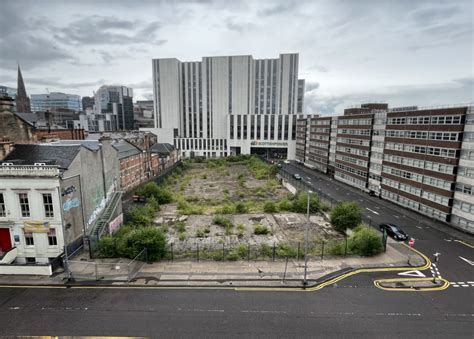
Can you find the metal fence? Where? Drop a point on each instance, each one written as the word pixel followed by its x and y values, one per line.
pixel 317 250
pixel 120 269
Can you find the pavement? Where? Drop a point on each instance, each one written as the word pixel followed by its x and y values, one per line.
pixel 279 273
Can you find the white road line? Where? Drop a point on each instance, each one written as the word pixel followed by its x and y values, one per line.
pixel 396 216
pixel 465 285
pixel 470 282
pixel 454 285
pixel 460 282
pixel 375 212
pixel 468 261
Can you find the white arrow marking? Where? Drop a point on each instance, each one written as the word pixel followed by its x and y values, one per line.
pixel 413 274
pixel 372 211
pixel 468 261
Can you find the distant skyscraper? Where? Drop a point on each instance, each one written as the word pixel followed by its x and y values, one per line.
pixel 55 100
pixel 87 102
pixel 117 100
pixel 22 100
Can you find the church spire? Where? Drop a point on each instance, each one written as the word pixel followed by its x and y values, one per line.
pixel 22 100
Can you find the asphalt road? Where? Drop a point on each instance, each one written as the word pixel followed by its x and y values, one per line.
pixel 352 309
pixel 431 236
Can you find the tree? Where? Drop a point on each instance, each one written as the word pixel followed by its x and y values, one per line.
pixel 346 215
pixel 150 238
pixel 161 194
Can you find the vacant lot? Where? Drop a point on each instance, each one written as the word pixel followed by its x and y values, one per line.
pixel 222 205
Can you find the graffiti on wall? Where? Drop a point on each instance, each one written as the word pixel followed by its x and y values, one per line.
pixel 116 223
pixel 68 191
pixel 71 203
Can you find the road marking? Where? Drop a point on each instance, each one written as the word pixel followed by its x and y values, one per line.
pixel 448 240
pixel 468 261
pixel 375 212
pixel 465 285
pixel 464 243
pixel 378 283
pixel 413 274
pixel 396 216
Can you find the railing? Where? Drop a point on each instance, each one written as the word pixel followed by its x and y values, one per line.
pixel 10 256
pixel 28 171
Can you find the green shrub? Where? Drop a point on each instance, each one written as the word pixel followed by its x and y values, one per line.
pixel 182 236
pixel 204 176
pixel 270 207
pixel 161 194
pixel 286 251
pixel 324 207
pixel 150 238
pixel 365 241
pixel 300 203
pixel 260 229
pixel 108 246
pixel 226 209
pixel 242 251
pixel 265 250
pixel 164 228
pixel 240 230
pixel 139 217
pixel 337 248
pixel 240 207
pixel 285 205
pixel 225 191
pixel 346 215
pixel 224 222
pixel 181 226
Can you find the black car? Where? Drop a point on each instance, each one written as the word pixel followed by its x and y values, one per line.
pixel 394 231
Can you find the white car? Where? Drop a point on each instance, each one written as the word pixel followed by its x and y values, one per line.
pixel 286 161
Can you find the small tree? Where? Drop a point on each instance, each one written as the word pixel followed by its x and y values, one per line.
pixel 150 238
pixel 139 217
pixel 346 215
pixel 161 194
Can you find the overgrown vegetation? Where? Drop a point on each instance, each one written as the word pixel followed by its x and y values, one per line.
pixel 364 241
pixel 346 215
pixel 260 229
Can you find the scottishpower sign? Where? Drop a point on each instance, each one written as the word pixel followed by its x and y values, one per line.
pixel 258 143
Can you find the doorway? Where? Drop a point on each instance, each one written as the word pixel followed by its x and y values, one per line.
pixel 5 240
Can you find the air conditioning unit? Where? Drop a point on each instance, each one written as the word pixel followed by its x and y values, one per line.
pixel 7 164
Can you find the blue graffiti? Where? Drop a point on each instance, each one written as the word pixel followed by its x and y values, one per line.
pixel 71 203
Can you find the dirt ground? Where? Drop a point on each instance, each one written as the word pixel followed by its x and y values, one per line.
pixel 213 187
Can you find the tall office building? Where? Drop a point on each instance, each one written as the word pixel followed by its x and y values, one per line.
pixel 228 105
pixel 118 101
pixel 22 100
pixel 87 102
pixel 55 100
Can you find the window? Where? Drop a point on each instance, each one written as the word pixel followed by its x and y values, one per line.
pixel 24 205
pixel 2 206
pixel 52 240
pixel 48 205
pixel 29 241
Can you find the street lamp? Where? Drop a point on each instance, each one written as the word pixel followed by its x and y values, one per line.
pixel 305 282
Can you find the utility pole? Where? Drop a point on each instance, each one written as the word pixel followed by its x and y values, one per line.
pixel 305 282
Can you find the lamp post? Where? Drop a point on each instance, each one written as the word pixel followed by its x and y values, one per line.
pixel 305 282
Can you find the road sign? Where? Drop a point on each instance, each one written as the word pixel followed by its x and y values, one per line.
pixel 411 242
pixel 413 274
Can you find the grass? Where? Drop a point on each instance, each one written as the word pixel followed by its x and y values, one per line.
pixel 260 229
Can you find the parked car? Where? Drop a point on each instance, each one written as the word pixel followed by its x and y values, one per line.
pixel 297 176
pixel 394 231
pixel 286 161
pixel 279 165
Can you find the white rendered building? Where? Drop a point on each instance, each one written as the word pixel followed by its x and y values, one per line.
pixel 228 105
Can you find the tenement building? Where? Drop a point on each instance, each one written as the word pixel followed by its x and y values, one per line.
pixel 421 159
pixel 228 105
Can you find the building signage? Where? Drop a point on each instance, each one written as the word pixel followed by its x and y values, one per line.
pixel 36 226
pixel 259 143
pixel 71 203
pixel 116 223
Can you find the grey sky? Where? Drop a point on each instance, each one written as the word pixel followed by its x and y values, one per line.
pixel 402 52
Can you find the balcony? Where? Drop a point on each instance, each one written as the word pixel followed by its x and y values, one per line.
pixel 28 171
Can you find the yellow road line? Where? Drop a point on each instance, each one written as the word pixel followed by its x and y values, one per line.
pixel 378 283
pixel 261 289
pixel 464 243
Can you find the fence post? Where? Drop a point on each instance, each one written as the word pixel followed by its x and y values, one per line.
pixel 298 252
pixel 273 252
pixel 146 254
pixel 223 252
pixel 128 273
pixel 322 250
pixel 171 251
pixel 197 247
pixel 248 252
pixel 96 271
pixel 345 248
pixel 286 265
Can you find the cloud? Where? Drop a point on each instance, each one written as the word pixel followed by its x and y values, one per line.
pixel 101 30
pixel 311 86
pixel 283 7
pixel 58 83
pixel 233 25
pixel 319 68
pixel 457 91
pixel 145 84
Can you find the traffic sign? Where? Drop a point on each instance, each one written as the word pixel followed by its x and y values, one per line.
pixel 411 242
